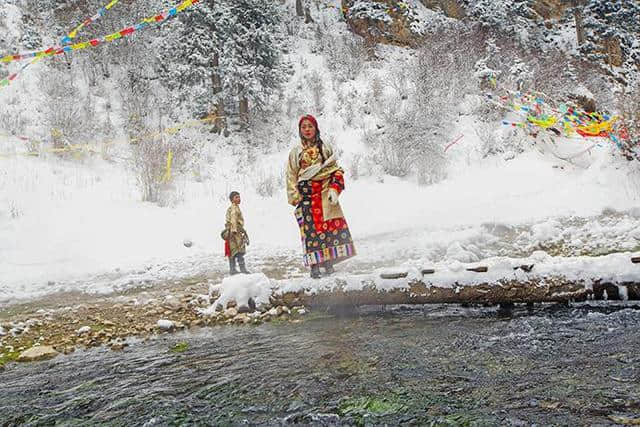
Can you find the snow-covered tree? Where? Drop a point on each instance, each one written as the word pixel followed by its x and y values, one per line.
pixel 225 51
pixel 611 30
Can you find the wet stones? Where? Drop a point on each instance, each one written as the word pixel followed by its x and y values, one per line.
pixel 230 312
pixel 84 330
pixel 34 354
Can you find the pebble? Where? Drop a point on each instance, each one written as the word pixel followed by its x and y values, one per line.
pixel 84 330
pixel 165 325
pixel 230 312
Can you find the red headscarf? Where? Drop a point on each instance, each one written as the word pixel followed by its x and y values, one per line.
pixel 312 119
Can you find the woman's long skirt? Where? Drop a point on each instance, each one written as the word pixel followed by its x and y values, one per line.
pixel 322 240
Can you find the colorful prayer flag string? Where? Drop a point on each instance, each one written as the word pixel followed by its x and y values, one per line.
pixel 541 111
pixel 74 33
pixel 96 42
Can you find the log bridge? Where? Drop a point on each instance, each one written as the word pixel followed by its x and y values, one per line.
pixel 535 288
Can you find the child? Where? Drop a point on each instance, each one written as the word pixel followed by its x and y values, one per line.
pixel 236 239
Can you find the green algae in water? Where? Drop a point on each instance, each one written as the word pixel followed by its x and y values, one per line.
pixel 9 356
pixel 370 405
pixel 180 347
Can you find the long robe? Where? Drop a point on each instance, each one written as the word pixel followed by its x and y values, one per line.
pixel 234 224
pixel 324 231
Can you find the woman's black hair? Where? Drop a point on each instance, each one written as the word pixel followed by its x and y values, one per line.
pixel 320 145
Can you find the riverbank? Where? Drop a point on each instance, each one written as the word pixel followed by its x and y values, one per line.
pixel 70 321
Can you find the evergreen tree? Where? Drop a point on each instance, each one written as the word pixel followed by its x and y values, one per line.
pixel 225 51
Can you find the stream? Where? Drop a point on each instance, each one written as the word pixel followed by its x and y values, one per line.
pixel 433 365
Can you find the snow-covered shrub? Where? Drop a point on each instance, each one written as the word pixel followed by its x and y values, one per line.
pixel 346 55
pixel 318 93
pixel 15 210
pixel 354 166
pixel 629 106
pixel 269 183
pixel 418 116
pixel 150 158
pixel 12 119
pixel 487 136
pixel 64 114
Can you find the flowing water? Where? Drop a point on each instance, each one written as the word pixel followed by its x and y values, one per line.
pixel 434 366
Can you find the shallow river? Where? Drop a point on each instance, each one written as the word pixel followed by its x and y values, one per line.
pixel 438 366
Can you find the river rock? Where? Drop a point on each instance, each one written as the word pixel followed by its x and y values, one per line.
pixel 171 302
pixel 244 309
pixel 118 346
pixel 230 313
pixel 264 307
pixel 165 325
pixel 2 332
pixel 44 352
pixel 242 318
pixel 83 330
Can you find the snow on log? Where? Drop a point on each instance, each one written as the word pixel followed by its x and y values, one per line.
pixel 539 278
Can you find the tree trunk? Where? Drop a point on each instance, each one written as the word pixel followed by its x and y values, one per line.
pixel 555 289
pixel 307 16
pixel 577 14
pixel 220 122
pixel 299 8
pixel 216 83
pixel 244 110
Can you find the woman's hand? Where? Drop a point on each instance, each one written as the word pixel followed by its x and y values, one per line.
pixel 333 196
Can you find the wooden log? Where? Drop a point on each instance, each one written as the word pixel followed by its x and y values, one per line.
pixel 392 276
pixel 426 271
pixel 547 290
pixel 480 269
pixel 635 260
pixel 525 268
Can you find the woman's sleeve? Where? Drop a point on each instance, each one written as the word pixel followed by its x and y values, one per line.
pixel 337 181
pixel 293 195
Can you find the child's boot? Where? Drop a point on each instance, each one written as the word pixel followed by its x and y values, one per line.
pixel 232 266
pixel 243 269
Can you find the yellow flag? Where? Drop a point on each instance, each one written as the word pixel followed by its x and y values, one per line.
pixel 112 37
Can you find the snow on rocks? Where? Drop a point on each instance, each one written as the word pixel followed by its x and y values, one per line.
pixel 242 288
pixel 84 330
pixel 166 325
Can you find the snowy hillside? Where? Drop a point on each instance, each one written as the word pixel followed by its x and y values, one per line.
pixel 432 173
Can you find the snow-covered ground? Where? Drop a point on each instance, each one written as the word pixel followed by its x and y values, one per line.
pixel 83 225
